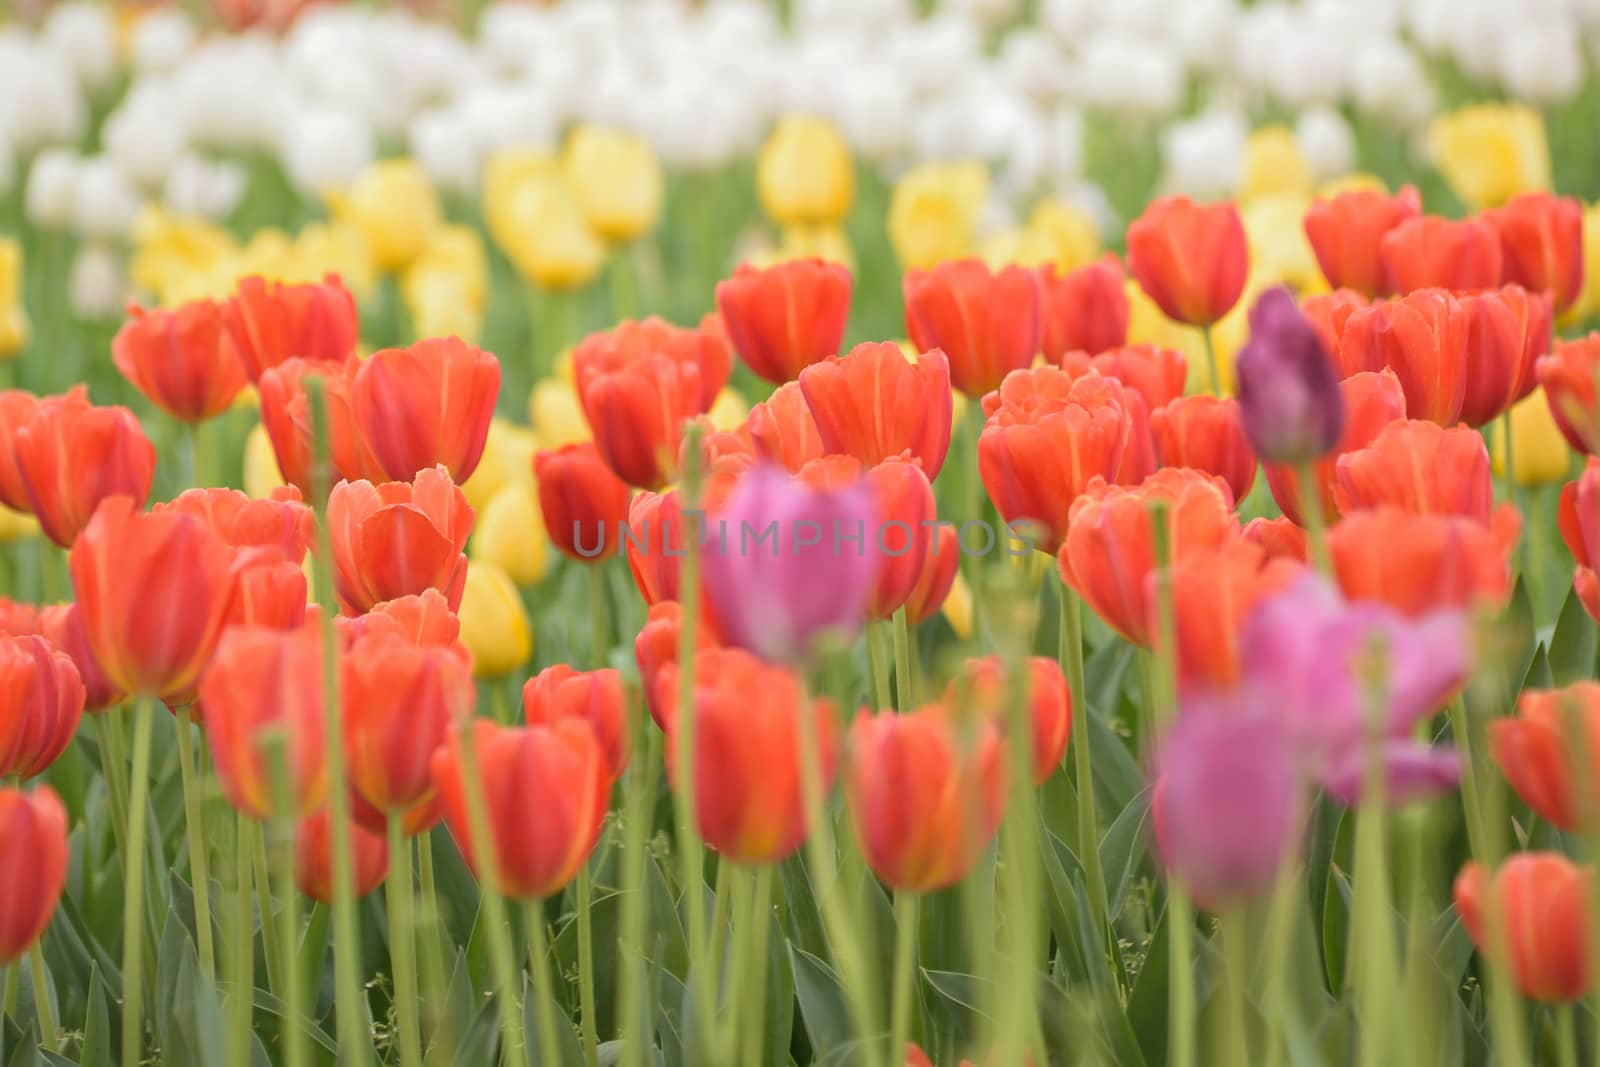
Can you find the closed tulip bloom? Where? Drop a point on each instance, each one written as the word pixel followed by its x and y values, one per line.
pixel 280 522
pixel 269 323
pixel 1206 433
pixel 1330 313
pixel 286 414
pixel 1109 549
pixel 984 687
pixel 510 534
pixel 261 683
pixel 659 535
pixel 702 353
pixel 546 793
pixel 1541 242
pixel 426 405
pixel 1290 405
pixel 656 646
pixel 925 800
pixel 1508 331
pixel 934 210
pixel 126 566
pixel 987 323
pixel 1489 153
pixel 583 503
pixel 873 403
pixel 62 625
pixel 41 701
pixel 1578 518
pixel 1046 437
pixel 592 697
pixel 313 857
pixel 749 801
pixel 804 173
pixel 1371 401
pixel 16 408
pixel 1083 310
pixel 785 317
pixel 1431 252
pixel 1418 467
pixel 398 538
pixel 1537 748
pixel 1191 259
pixel 1539 454
pixel 33 866
pixel 782 429
pixel 1544 904
pixel 1423 338
pixel 72 455
pixel 494 622
pixel 182 360
pixel 1213 592
pixel 1567 376
pixel 1345 232
pixel 617 179
pixel 507 459
pixel 903 535
pixel 395 207
pixel 1157 374
pixel 938 576
pixel 1422 563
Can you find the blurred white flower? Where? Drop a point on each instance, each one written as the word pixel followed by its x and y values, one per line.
pixel 86 34
pixel 52 188
pixel 221 84
pixel 1388 81
pixel 1091 199
pixel 862 16
pixel 1063 135
pixel 8 163
pixel 104 200
pixel 512 35
pixel 147 132
pixel 41 102
pixel 161 39
pixel 443 145
pixel 508 116
pixel 1326 141
pixel 1204 156
pixel 325 149
pixel 1033 62
pixel 204 187
pixel 1069 20
pixel 928 52
pixel 1202 31
pixel 988 12
pixel 98 287
pixel 1130 76
pixel 1541 62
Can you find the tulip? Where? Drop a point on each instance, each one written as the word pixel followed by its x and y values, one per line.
pixel 584 505
pixel 398 538
pixel 987 323
pixel 1279 538
pixel 18 618
pixel 1578 519
pixel 263 682
pixel 426 405
pixel 507 459
pixel 779 601
pixel 592 697
pixel 537 219
pixel 33 867
pixel 16 408
pixel 71 455
pixel 785 317
pixel 1567 376
pixel 183 361
pixel 1508 331
pixel 1370 402
pixel 1543 902
pixel 659 535
pixel 925 801
pixel 1330 313
pixel 546 794
pixel 748 797
pixel 1541 240
pixel 936 585
pixel 62 625
pixel 617 180
pixel 1346 231
pixel 41 701
pixel 494 622
pixel 313 857
pixel 983 686
pixel 1157 374
pixel 14 327
pixel 934 210
pixel 1290 405
pixel 1537 748
pixel 420 619
pixel 280 523
pixel 874 404
pixel 907 514
pixel 270 323
pixel 395 207
pixel 1190 258
pixel 1045 438
pixel 1213 594
pixel 804 173
pixel 782 429
pixel 1418 467
pixel 1489 153
pixel 656 646
pixel 1430 252
pixel 1539 454
pixel 1421 563
pixel 702 354
pixel 1108 552
pixel 286 414
pixel 1423 338
pixel 1084 310
pixel 417 819
pixel 1207 433
pixel 510 534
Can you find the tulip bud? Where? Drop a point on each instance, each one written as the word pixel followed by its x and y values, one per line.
pixel 33 866
pixel 873 404
pixel 1542 901
pixel 510 534
pixel 1430 252
pixel 784 318
pixel 803 172
pixel 1567 376
pixel 1289 398
pixel 270 323
pixel 1539 454
pixel 183 360
pixel 427 405
pixel 1578 518
pixel 656 646
pixel 1190 258
pixel 783 430
pixel 936 585
pixel 983 686
pixel 494 623
pixel 1084 310
pixel 1346 230
pixel 583 503
pixel 617 180
pixel 1206 433
pixel 1537 751
pixel 62 625
pixel 903 536
pixel 1541 238
pixel 987 323
pixel 395 207
pixel 71 455
pixel 41 701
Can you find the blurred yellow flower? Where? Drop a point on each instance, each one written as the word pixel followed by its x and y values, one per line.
pixel 176 258
pixel 13 316
pixel 1488 153
pixel 933 212
pixel 1354 182
pixel 804 173
pixel 536 219
pixel 728 411
pixel 261 474
pixel 395 207
pixel 556 414
pixel 446 287
pixel 494 622
pixel 507 457
pixel 1588 302
pixel 617 179
pixel 322 248
pixel 510 534
pixel 1018 246
pixel 957 607
pixel 1071 234
pixel 16 526
pixel 1539 454
pixel 1279 251
pixel 821 241
pixel 270 253
pixel 1147 325
pixel 1274 165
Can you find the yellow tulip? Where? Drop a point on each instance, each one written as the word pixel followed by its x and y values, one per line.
pixel 510 534
pixel 618 181
pixel 504 172
pixel 556 414
pixel 13 316
pixel 261 474
pixel 1354 182
pixel 536 219
pixel 1488 153
pixel 507 458
pixel 1274 165
pixel 823 241
pixel 1588 302
pixel 395 207
pixel 17 526
pixel 323 248
pixel 1017 246
pixel 804 173
pixel 1279 250
pixel 446 287
pixel 933 212
pixel 957 607
pixel 270 253
pixel 175 257
pixel 494 622
pixel 1539 454
pixel 1070 233
pixel 729 410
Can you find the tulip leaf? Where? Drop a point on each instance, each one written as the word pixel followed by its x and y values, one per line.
pixel 1123 849
pixel 477 1046
pixel 823 1007
pixel 1336 928
pixel 1147 1003
pixel 96 1048
pixel 605 915
pixel 266 1002
pixel 1539 674
pixel 1327 833
pixel 569 1048
pixel 670 997
pixel 802 919
pixel 1575 643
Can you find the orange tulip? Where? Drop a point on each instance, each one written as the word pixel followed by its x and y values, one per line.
pixel 1330 313
pixel 583 503
pixel 925 801
pixel 1432 252
pixel 1423 339
pixel 421 618
pixel 427 405
pixel 128 569
pixel 1156 374
pixel 1578 519
pixel 703 354
pixel 906 517
pixel 1279 538
pixel 1567 376
pixel 546 793
pixel 1204 432
pixel 593 697
pixel 659 535
pixel 1535 750
pixel 937 578
pixel 748 798
pixel 1423 563
pixel 313 857
pixel 1109 550
pixel 262 682
pixel 1371 402
pixel 41 701
pixel 1046 437
pixel 1346 231
pixel 1543 901
pixel 1085 310
pixel 62 626
pixel 19 619
pixel 398 538
pixel 782 429
pixel 1213 593
pixel 183 360
pixel 987 323
pixel 286 415
pixel 417 819
pixel 72 455
pixel 656 646
pixel 16 408
pixel 1418 467
pixel 783 318
pixel 1508 330
pixel 872 404
pixel 271 323
pixel 1191 259
pixel 33 866
pixel 1541 242
pixel 983 686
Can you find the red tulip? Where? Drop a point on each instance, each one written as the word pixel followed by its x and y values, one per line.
pixel 782 429
pixel 397 538
pixel 658 534
pixel 1508 330
pixel 1432 252
pixel 271 323
pixel 1205 433
pixel 72 455
pixel 33 866
pixel 1423 563
pixel 1084 310
pixel 313 857
pixel 783 318
pixel 987 323
pixel 1418 467
pixel 1156 374
pixel 1423 339
pixel 19 619
pixel 1191 259
pixel 62 625
pixel 593 697
pixel 421 618
pixel 183 360
pixel 1345 233
pixel 1279 538
pixel 1330 313
pixel 417 819
pixel 1371 402
pixel 1213 593
pixel 656 646
pixel 1567 376
pixel 41 701
pixel 906 516
pixel 583 503
pixel 286 414
pixel 937 578
pixel 984 687
pixel 1578 518
pixel 16 408
pixel 1553 732
pixel 1543 902
pixel 1541 242
pixel 872 403
pixel 427 405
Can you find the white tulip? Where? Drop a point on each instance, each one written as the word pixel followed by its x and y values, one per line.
pixel 1033 62
pixel 41 102
pixel 1325 139
pixel 86 34
pixel 511 35
pixel 1541 62
pixel 1069 20
pixel 161 39
pixel 147 132
pixel 105 200
pixel 325 149
pixel 1204 156
pixel 1201 31
pixel 98 288
pixel 443 145
pixel 1130 76
pixel 52 188
pixel 1388 81
pixel 8 162
pixel 509 116
pixel 202 187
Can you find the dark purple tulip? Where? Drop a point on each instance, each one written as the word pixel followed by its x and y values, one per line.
pixel 1289 396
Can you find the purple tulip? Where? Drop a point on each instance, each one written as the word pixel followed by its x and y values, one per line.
pixel 784 563
pixel 1289 397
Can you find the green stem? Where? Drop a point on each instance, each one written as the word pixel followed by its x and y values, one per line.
pixel 906 683
pixel 543 991
pixel 878 667
pixel 624 289
pixel 905 962
pixel 755 987
pixel 1232 933
pixel 1471 799
pixel 201 463
pixel 598 613
pixel 430 925
pixel 741 890
pixel 13 979
pixel 1310 498
pixel 1566 1031
pixel 1280 932
pixel 634 1029
pixel 271 941
pixel 242 956
pixel 133 898
pixel 721 903
pixel 199 862
pixel 1018 1016
pixel 586 1001
pixel 403 942
pixel 1071 656
pixel 293 1032
pixel 1182 1013
pixel 1370 922
pixel 1211 360
pixel 41 999
pixel 113 764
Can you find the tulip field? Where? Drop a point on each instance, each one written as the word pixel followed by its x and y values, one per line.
pixel 854 533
